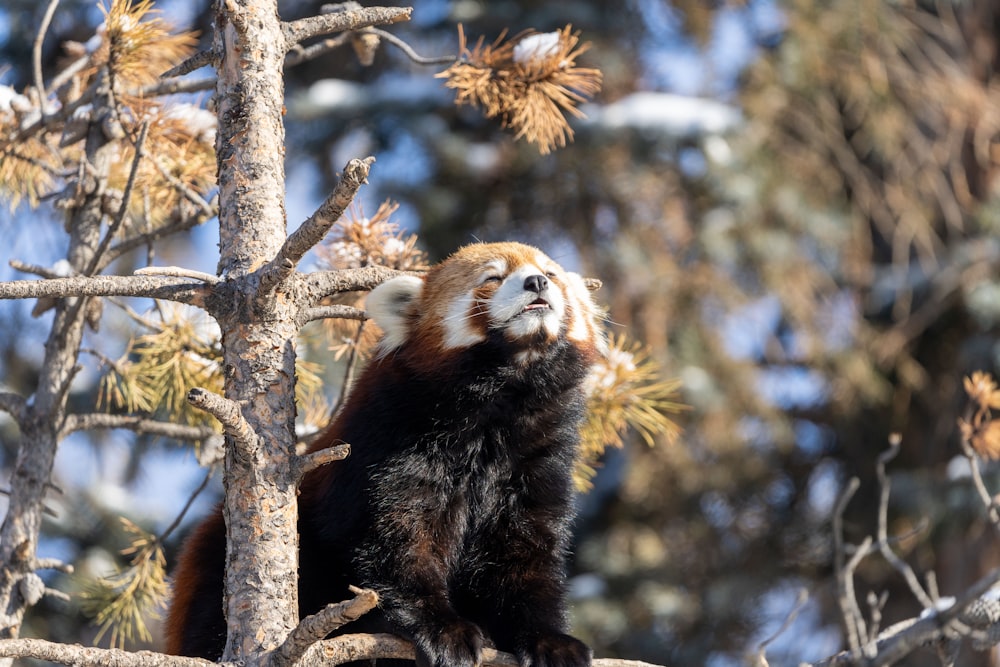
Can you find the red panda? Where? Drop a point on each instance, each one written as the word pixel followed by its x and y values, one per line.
pixel 456 501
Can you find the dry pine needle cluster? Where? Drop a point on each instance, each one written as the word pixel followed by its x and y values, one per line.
pixel 529 82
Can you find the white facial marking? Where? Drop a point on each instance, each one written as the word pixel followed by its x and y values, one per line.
pixel 523 312
pixel 457 331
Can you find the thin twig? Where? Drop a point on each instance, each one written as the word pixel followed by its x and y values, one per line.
pixel 408 50
pixel 165 535
pixel 68 73
pixel 36 53
pixel 115 225
pixel 800 603
pixel 883 513
pixel 300 54
pixel 352 364
pixel 849 611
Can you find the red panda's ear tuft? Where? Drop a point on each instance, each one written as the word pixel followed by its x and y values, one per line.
pixel 392 306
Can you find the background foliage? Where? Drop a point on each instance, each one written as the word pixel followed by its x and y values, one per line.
pixel 793 206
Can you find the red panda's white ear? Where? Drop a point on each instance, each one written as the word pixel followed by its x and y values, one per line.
pixel 391 306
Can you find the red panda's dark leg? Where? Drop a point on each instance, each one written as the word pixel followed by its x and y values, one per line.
pixel 196 625
pixel 524 583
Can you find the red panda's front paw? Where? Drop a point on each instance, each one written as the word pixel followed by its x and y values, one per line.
pixel 457 643
pixel 555 650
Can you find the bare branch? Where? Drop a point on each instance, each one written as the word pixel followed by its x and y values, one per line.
pixel 319 223
pixel 184 510
pixel 901 639
pixel 854 624
pixel 883 539
pixel 52 564
pixel 800 602
pixel 174 86
pixel 36 52
pixel 178 272
pixel 309 462
pixel 197 61
pixel 99 420
pixel 988 500
pixel 408 50
pixel 300 54
pixel 327 283
pixel 350 648
pixel 14 405
pixel 335 311
pixel 229 415
pixel 143 286
pixel 86 656
pixel 161 232
pixel 115 225
pixel 325 24
pixel 313 628
pixel 34 269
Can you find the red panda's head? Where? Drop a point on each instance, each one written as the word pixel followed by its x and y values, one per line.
pixel 485 289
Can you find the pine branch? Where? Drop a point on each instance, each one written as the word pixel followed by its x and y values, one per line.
pixel 300 54
pixel 142 425
pixel 325 24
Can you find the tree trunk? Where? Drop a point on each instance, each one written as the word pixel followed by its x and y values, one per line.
pixel 44 415
pixel 258 331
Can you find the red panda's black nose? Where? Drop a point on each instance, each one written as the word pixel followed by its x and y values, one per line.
pixel 536 283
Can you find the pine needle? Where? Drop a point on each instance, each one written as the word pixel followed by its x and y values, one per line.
pixel 121 602
pixel 530 83
pixel 625 393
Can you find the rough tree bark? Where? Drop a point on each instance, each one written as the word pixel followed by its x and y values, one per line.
pixel 258 330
